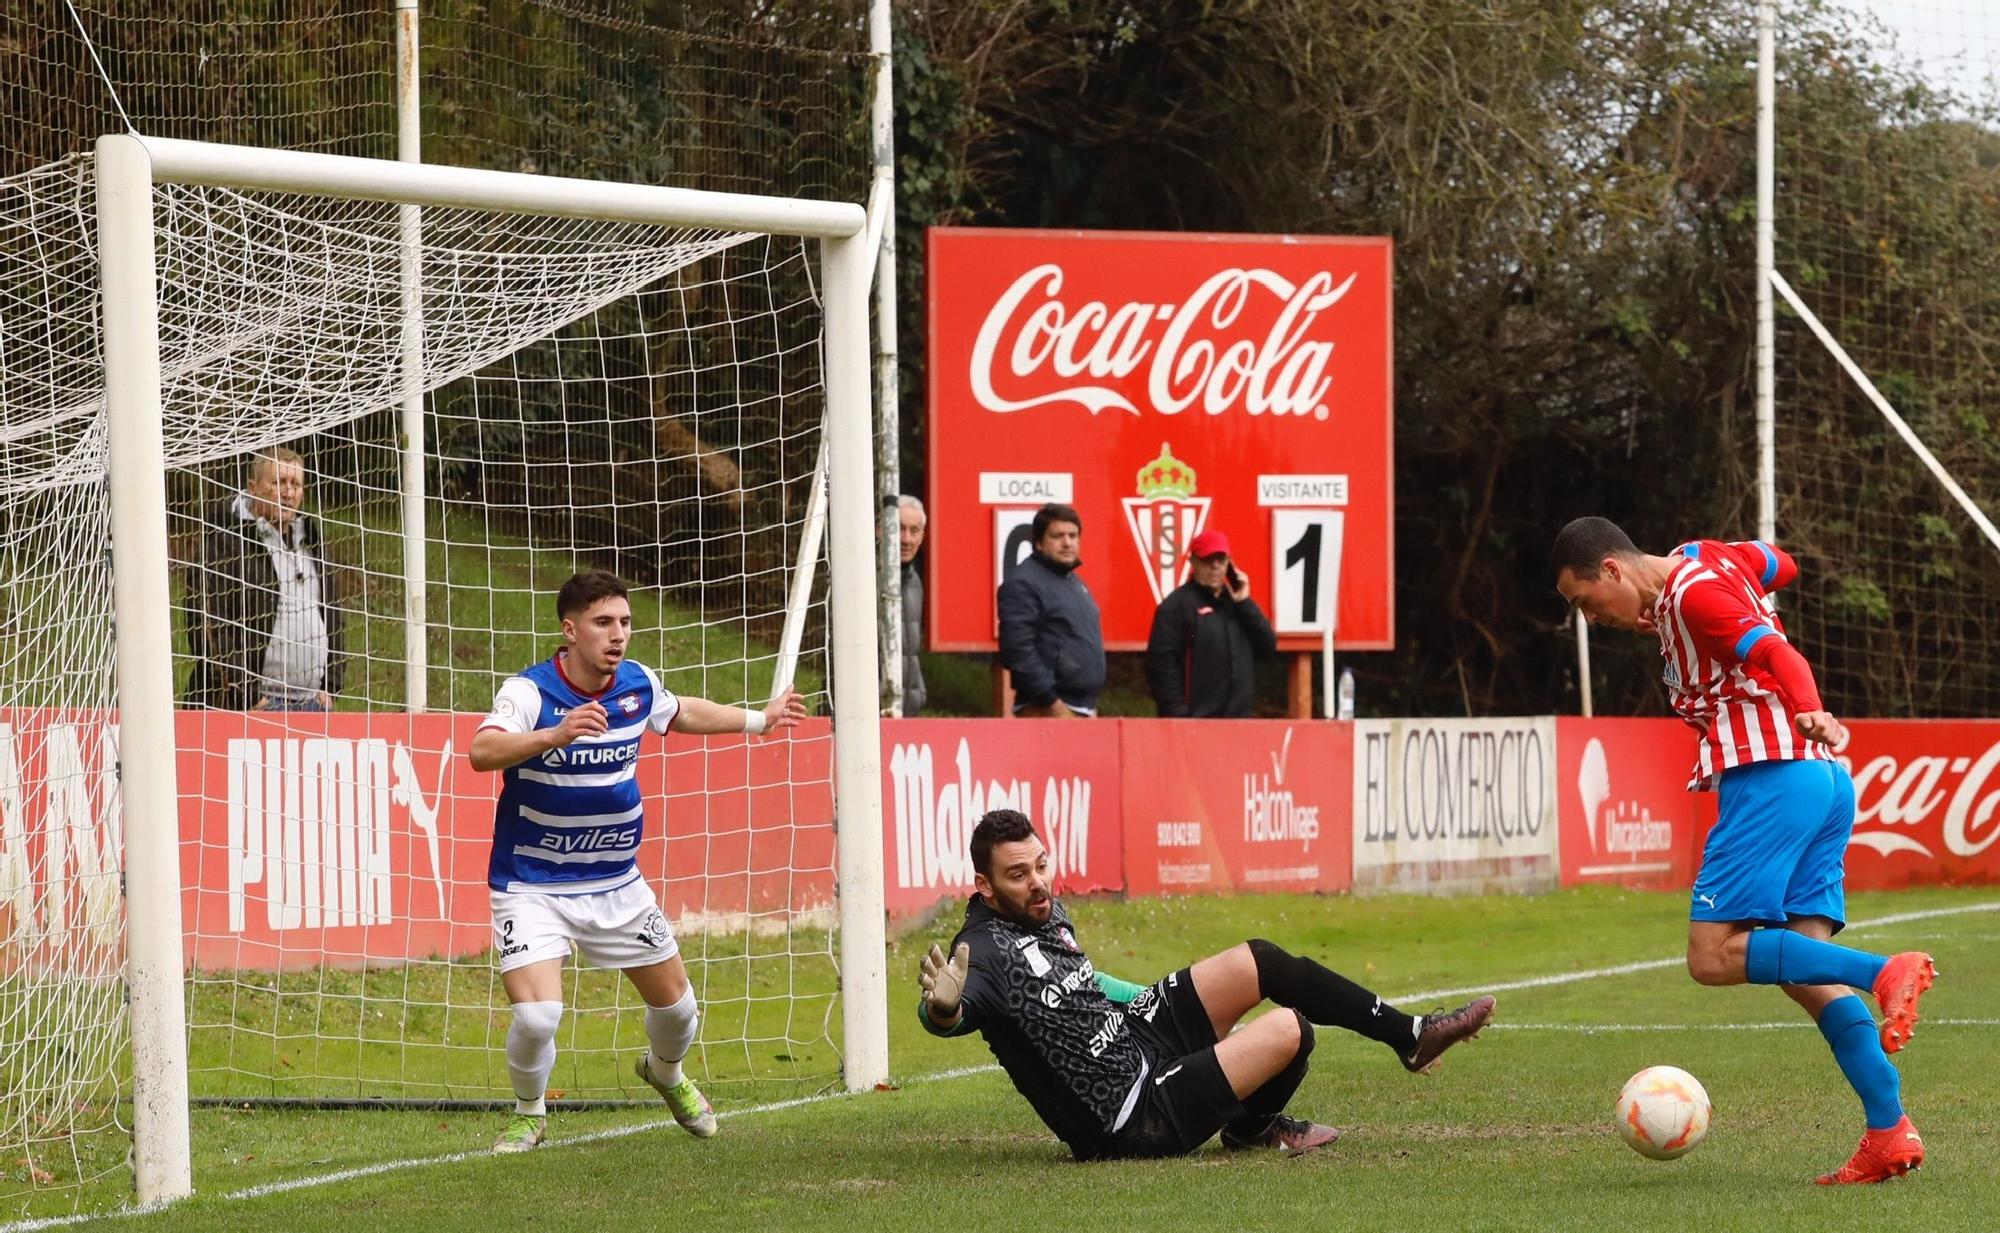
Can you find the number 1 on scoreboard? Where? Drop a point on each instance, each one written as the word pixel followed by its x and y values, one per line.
pixel 1305 560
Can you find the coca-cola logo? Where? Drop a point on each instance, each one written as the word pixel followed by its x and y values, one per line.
pixel 1203 351
pixel 1908 792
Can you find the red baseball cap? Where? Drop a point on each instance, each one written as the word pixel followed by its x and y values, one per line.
pixel 1208 544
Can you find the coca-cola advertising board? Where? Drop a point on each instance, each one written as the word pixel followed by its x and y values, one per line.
pixel 1627 817
pixel 1232 805
pixel 1927 802
pixel 940 776
pixel 1163 384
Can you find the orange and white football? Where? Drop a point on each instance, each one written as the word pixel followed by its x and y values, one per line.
pixel 1663 1112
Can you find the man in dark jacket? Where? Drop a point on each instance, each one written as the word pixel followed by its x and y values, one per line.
pixel 1117 1070
pixel 263 621
pixel 910 522
pixel 1050 635
pixel 1207 636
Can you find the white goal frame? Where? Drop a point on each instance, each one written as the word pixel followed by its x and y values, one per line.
pixel 127 169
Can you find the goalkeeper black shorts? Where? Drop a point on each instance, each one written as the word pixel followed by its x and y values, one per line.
pixel 1185 1098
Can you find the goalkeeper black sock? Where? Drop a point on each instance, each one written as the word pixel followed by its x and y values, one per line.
pixel 1328 998
pixel 1262 1106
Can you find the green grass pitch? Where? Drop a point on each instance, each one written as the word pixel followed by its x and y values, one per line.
pixel 1512 1132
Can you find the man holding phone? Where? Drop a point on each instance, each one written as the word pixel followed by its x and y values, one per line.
pixel 1207 636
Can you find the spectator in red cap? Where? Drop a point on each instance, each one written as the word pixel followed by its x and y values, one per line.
pixel 1207 638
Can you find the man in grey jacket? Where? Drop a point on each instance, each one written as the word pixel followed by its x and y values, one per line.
pixel 1051 638
pixel 911 521
pixel 263 613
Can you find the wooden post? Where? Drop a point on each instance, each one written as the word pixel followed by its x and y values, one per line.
pixel 1299 694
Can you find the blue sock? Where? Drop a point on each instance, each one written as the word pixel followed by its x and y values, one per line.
pixel 1850 1032
pixel 1782 957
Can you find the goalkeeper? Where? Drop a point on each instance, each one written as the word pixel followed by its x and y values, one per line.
pixel 1116 1070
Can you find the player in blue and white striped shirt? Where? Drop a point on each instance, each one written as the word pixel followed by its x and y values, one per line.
pixel 565 736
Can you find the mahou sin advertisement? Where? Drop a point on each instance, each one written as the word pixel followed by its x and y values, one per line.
pixel 940 777
pixel 1163 385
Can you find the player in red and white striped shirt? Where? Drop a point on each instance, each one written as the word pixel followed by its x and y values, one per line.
pixel 1770 891
pixel 1730 672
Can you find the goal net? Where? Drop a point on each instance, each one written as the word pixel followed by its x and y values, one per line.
pixel 389 437
pixel 1888 239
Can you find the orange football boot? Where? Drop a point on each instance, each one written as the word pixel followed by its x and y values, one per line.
pixel 1902 982
pixel 1883 1154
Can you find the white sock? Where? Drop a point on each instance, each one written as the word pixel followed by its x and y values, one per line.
pixel 672 1029
pixel 531 1054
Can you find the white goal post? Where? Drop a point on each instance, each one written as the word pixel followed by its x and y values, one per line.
pixel 127 170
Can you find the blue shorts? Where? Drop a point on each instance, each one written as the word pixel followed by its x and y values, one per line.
pixel 1779 847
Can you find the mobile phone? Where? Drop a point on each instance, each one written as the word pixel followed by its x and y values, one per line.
pixel 1235 579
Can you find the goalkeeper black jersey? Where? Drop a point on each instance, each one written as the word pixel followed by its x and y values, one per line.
pixel 1034 996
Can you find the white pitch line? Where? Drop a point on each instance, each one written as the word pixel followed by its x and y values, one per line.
pixel 595 1136
pixel 1588 1029
pixel 1537 982
pixel 1650 965
pixel 57 1222
pixel 391 1166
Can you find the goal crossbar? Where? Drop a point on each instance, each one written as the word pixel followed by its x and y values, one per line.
pixel 176 161
pixel 127 169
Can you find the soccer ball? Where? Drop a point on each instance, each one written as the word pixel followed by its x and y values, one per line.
pixel 1662 1112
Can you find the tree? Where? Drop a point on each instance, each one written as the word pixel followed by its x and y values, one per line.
pixel 1569 184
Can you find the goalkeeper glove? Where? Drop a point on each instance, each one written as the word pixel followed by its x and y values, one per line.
pixel 943 982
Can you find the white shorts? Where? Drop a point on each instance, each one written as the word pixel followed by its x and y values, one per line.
pixel 621 928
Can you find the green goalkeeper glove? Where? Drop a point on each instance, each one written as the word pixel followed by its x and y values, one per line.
pixel 943 982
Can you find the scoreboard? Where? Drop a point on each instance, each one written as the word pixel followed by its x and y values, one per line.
pixel 1163 383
